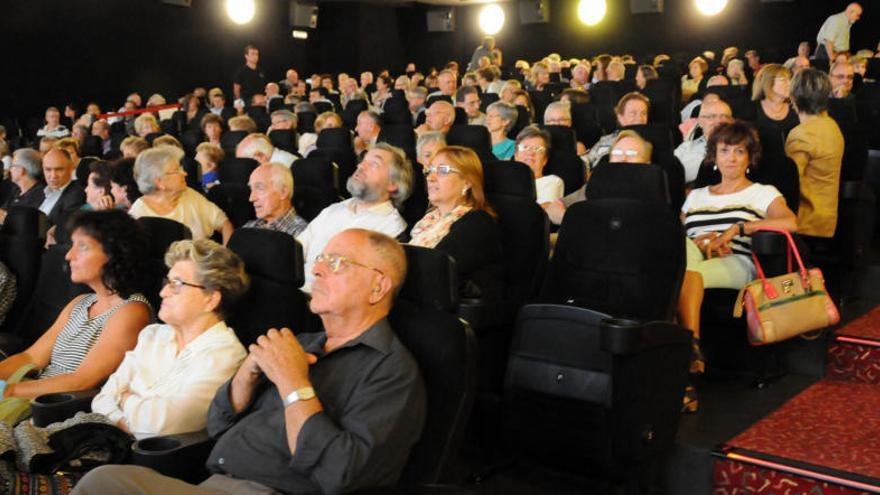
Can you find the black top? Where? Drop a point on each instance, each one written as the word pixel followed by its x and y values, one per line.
pixel 474 242
pixel 33 197
pixel 374 410
pixel 251 80
pixel 774 132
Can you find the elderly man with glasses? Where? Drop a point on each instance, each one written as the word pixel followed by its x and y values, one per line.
pixel 326 412
pixel 692 151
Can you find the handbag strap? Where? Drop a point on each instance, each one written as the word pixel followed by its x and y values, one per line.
pixel 21 372
pixel 792 249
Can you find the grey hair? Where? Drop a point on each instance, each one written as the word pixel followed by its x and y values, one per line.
pixel 429 137
pixel 563 106
pixel 30 160
pixel 217 268
pixel 401 173
pixel 145 119
pixel 286 115
pixel 507 112
pixel 534 131
pixel 151 164
pixel 280 176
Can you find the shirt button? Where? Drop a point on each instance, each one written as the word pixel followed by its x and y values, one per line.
pixel 221 460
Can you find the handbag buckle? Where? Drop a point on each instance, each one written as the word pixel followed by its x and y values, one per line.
pixel 787 285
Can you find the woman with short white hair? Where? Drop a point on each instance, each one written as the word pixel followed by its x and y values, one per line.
pixel 162 181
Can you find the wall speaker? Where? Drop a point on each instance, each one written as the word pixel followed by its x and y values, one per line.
pixel 441 19
pixel 646 6
pixel 303 14
pixel 534 11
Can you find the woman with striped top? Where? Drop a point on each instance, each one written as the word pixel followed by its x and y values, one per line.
pixel 91 335
pixel 718 220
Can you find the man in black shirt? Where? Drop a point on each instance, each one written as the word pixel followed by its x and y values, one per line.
pixel 248 79
pixel 25 173
pixel 328 412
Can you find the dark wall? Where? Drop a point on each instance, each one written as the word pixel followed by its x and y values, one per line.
pixel 80 50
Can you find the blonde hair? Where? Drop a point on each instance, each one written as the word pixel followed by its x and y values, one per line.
pixel 764 80
pixel 68 144
pixel 242 123
pixel 214 153
pixel 647 147
pixel 166 140
pixel 471 169
pixel 143 120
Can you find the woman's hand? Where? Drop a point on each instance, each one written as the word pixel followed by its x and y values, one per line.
pixel 720 245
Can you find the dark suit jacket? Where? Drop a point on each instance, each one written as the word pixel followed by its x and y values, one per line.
pixel 474 241
pixel 73 197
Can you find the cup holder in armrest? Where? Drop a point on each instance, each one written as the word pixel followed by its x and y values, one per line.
pixel 52 408
pixel 180 456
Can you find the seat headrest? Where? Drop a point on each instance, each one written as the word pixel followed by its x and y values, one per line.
pixel 339 138
pixel 431 278
pixel 315 171
pixel 24 221
pixel 162 232
pixel 624 180
pixel 269 254
pixel 509 178
pixel 561 138
pixel 475 137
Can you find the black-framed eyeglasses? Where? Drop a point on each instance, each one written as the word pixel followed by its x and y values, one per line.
pixel 335 262
pixel 176 284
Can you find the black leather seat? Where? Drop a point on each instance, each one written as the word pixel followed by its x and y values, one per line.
pixel 314 186
pixel 305 121
pixel 286 139
pixel 633 181
pixel 234 170
pixel 274 262
pixel 161 233
pixel 233 200
pixel 21 246
pixel 229 141
pixel 475 137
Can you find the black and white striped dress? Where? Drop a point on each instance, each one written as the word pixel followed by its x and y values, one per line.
pixel 706 212
pixel 79 335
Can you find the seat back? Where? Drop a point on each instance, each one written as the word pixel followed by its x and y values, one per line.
pixel 233 200
pixel 623 257
pixel 21 246
pixel 509 178
pixel 585 121
pixel 568 167
pixel 261 116
pixel 233 170
pixel 395 111
pixel 352 109
pixel 444 348
pixel 274 262
pixel 51 294
pixel 190 139
pixel 229 141
pixel 523 119
pixel 161 232
pixel 335 138
pixel 305 121
pixel 400 135
pixel 475 137
pixel 582 385
pixel 286 139
pixel 82 169
pixel 314 186
pixel 633 181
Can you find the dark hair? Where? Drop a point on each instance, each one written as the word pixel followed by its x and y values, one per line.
pixel 123 241
pixel 463 92
pixel 103 172
pixel 736 132
pixel 810 91
pixel 122 173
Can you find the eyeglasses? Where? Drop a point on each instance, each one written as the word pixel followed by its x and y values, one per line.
pixel 335 262
pixel 176 284
pixel 619 152
pixel 715 116
pixel 781 79
pixel 527 147
pixel 848 77
pixel 441 170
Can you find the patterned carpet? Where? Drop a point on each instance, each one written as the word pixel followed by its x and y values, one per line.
pixel 831 430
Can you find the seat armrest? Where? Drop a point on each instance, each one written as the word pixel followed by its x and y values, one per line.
pixel 52 408
pixel 180 456
pixel 621 337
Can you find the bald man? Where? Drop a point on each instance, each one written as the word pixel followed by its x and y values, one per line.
pixel 833 37
pixel 692 152
pixel 327 412
pixel 438 118
pixel 62 195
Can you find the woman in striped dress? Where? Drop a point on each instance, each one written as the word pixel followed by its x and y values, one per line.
pixel 718 220
pixel 93 332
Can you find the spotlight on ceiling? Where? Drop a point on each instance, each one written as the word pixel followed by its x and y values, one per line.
pixel 591 12
pixel 491 18
pixel 240 11
pixel 711 7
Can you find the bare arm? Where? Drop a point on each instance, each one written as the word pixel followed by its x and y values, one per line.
pixel 236 90
pixel 779 216
pixel 226 231
pixel 119 335
pixel 829 47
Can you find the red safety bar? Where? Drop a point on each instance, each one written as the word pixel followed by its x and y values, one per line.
pixel 138 111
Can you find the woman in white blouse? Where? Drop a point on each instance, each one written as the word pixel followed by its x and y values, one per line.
pixel 165 385
pixel 162 181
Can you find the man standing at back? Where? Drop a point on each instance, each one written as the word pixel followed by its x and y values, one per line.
pixel 833 37
pixel 248 79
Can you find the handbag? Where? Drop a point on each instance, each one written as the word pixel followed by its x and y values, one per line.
pixel 783 307
pixel 15 409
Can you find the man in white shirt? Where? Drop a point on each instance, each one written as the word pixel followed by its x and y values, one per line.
pixel 382 181
pixel 833 37
pixel 691 152
pixel 260 148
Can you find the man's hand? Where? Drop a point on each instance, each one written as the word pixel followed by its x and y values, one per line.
pixel 280 356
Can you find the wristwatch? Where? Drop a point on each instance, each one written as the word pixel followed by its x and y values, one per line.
pixel 299 394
